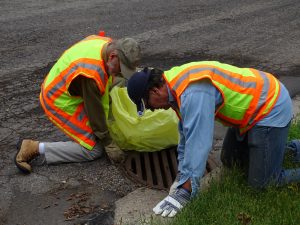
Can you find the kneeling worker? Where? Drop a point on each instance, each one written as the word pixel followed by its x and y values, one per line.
pixel 75 97
pixel 253 103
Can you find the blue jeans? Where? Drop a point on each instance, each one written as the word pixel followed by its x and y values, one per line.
pixel 260 152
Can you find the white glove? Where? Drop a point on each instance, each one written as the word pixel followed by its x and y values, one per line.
pixel 173 203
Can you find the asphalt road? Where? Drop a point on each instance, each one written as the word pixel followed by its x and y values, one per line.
pixel 33 34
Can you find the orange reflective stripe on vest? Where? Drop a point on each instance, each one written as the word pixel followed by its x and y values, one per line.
pixel 59 117
pixel 86 67
pixel 266 100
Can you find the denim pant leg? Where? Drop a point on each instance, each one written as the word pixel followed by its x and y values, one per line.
pixel 291 175
pixel 235 149
pixel 266 154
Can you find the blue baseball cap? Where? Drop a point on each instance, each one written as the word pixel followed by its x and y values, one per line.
pixel 137 88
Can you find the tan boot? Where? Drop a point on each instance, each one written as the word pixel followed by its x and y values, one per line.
pixel 28 151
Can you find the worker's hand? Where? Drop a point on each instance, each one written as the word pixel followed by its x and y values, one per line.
pixel 173 203
pixel 114 152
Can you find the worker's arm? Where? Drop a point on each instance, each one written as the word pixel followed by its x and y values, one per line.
pixel 89 91
pixel 196 131
pixel 197 110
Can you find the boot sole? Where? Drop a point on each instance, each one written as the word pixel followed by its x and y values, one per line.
pixel 21 168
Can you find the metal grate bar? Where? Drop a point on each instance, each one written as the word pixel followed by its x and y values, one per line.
pixel 157 170
pixel 149 178
pixel 166 169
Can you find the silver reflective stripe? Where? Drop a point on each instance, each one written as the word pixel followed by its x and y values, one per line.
pixel 81 115
pixel 98 69
pixel 65 121
pixel 263 95
pixel 218 72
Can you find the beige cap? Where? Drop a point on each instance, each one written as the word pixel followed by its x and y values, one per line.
pixel 129 53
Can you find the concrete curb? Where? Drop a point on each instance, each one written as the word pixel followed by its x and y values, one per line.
pixel 136 207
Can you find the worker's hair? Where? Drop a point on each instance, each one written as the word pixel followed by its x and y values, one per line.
pixel 156 79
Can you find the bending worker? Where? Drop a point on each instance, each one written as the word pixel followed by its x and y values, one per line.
pixel 75 97
pixel 254 104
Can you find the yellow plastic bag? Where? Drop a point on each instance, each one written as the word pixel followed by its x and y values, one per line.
pixel 153 131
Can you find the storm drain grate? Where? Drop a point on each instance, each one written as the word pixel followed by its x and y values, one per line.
pixel 157 169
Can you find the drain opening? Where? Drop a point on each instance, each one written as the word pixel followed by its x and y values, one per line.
pixel 158 169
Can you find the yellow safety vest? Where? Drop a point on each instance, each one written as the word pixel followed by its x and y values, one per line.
pixel 248 94
pixel 66 111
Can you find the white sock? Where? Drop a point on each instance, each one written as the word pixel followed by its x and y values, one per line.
pixel 41 148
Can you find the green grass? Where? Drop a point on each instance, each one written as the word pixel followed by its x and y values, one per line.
pixel 233 202
pixel 294 132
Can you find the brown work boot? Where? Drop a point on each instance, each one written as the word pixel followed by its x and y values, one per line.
pixel 28 151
